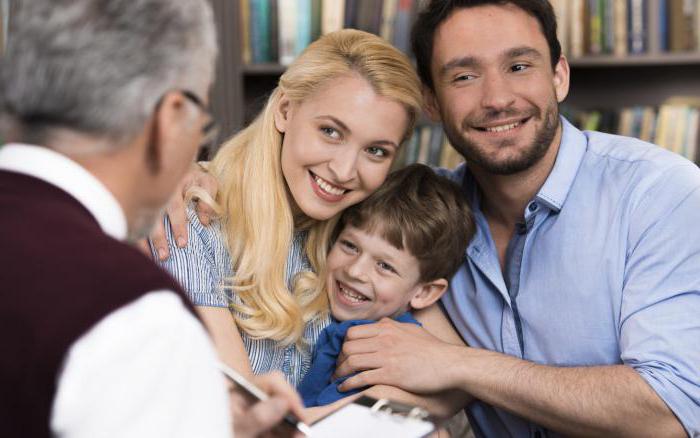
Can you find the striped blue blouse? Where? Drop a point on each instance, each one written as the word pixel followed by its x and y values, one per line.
pixel 202 267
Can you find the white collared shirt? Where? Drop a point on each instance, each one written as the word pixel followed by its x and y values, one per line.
pixel 145 370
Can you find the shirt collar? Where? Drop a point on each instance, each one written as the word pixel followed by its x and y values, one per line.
pixel 60 171
pixel 569 157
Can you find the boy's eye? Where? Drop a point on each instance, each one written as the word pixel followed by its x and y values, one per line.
pixel 386 267
pixel 377 151
pixel 330 132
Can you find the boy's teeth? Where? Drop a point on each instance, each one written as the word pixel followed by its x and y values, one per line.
pixel 503 127
pixel 352 295
pixel 327 187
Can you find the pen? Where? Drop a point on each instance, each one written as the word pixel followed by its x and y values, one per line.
pixel 259 394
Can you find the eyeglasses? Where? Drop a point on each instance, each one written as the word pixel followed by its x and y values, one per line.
pixel 210 131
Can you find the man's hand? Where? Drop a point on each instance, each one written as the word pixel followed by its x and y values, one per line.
pixel 396 354
pixel 265 418
pixel 176 211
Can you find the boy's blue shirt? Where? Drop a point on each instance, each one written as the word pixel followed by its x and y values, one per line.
pixel 317 388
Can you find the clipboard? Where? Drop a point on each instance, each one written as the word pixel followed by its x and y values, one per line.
pixel 367 417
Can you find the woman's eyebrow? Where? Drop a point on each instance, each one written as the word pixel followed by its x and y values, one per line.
pixel 335 120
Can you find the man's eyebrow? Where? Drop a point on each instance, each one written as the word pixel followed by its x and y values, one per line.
pixel 523 51
pixel 471 61
pixel 464 61
pixel 335 120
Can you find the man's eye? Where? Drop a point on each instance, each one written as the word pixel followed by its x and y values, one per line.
pixel 519 67
pixel 464 77
pixel 330 132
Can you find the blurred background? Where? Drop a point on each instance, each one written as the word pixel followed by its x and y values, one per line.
pixel 635 64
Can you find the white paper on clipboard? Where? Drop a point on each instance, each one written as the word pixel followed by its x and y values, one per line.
pixel 368 418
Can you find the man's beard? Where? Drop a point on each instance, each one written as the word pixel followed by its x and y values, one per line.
pixel 472 153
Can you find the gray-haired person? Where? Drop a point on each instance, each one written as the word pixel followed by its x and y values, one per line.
pixel 105 104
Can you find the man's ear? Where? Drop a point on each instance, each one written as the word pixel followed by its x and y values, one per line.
pixel 282 113
pixel 561 79
pixel 172 121
pixel 428 293
pixel 432 109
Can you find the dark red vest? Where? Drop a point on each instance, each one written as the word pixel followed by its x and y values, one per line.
pixel 59 275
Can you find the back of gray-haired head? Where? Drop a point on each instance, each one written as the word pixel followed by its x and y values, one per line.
pixel 99 67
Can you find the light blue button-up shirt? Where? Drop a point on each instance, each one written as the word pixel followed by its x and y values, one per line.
pixel 605 269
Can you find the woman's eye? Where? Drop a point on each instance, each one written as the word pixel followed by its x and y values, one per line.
pixel 330 132
pixel 377 151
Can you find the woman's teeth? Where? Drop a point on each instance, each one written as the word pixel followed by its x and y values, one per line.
pixel 327 187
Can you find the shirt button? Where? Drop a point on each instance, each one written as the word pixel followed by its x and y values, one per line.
pixel 533 206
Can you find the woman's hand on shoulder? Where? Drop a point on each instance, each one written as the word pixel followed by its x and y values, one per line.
pixel 176 211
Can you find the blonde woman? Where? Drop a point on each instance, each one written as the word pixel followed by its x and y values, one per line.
pixel 325 140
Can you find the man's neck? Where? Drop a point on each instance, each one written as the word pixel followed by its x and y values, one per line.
pixel 106 163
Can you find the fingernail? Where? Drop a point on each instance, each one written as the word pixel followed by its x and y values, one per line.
pixel 162 254
pixel 181 242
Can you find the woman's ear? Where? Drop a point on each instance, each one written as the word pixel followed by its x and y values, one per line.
pixel 428 293
pixel 282 113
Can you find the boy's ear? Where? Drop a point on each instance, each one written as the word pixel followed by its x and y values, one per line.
pixel 428 293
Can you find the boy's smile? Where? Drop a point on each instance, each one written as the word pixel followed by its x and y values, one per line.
pixel 368 278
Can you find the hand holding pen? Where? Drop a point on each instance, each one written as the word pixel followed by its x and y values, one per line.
pixel 265 405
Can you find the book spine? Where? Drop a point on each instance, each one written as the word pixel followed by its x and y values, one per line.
pixel 636 27
pixel 388 19
pixel 576 19
pixel 595 42
pixel 654 38
pixel 315 19
pixel 287 23
pixel 246 50
pixel 620 19
pixel 273 21
pixel 260 31
pixel 332 15
pixel 350 14
pixel 402 31
pixel 608 31
pixel 303 30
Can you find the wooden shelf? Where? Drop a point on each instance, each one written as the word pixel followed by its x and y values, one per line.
pixel 657 59
pixel 264 69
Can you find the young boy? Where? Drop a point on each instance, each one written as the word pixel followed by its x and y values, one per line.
pixel 393 252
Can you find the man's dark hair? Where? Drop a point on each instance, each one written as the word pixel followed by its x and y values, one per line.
pixel 437 11
pixel 420 211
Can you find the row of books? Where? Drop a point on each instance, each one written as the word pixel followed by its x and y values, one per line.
pixel 428 145
pixel 623 27
pixel 675 125
pixel 276 31
pixel 4 23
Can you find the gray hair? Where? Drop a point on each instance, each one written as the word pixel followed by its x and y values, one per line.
pixel 100 67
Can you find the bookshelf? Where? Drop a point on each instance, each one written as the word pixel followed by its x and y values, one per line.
pixel 5 11
pixel 606 78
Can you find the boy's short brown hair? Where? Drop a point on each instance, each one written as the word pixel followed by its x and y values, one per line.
pixel 419 210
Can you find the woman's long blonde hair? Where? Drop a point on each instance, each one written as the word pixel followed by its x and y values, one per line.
pixel 258 221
